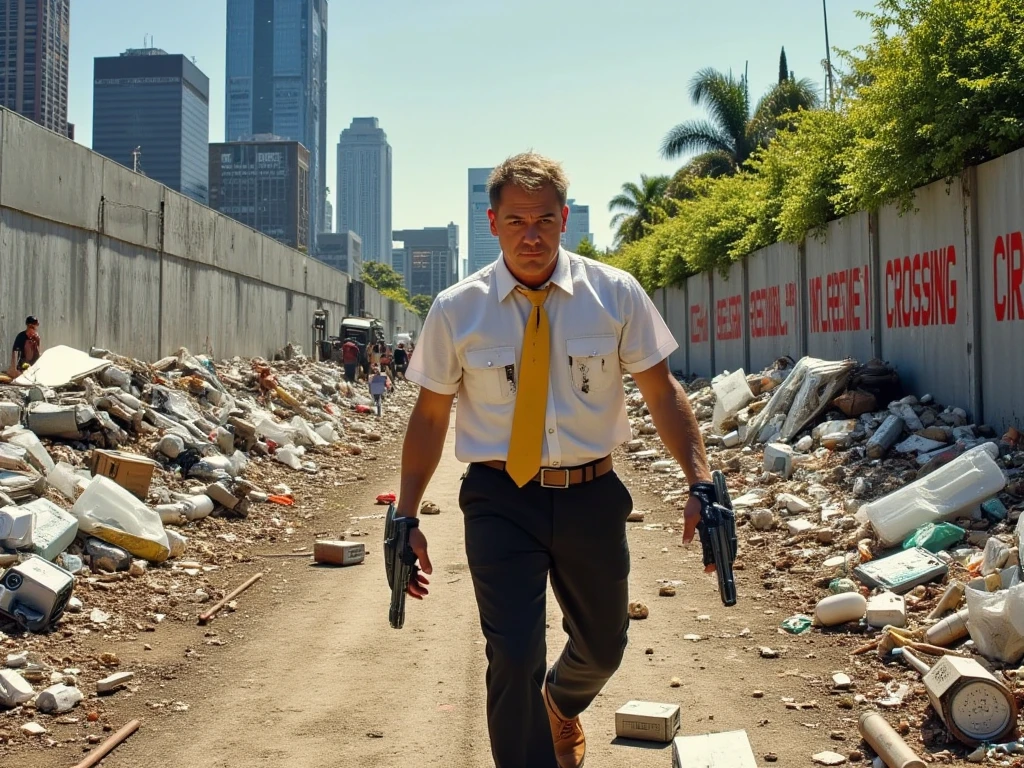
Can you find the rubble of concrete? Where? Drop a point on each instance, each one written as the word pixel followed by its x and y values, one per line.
pixel 128 490
pixel 882 518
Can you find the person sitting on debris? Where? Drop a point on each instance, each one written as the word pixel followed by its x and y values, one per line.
pixel 28 346
pixel 350 359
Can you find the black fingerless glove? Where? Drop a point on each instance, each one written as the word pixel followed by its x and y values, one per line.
pixel 708 497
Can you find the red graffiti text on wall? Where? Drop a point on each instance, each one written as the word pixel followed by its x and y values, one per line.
pixel 766 311
pixel 698 324
pixel 840 301
pixel 920 290
pixel 729 318
pixel 1008 277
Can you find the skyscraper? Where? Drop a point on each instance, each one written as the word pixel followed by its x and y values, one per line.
pixel 276 74
pixel 364 187
pixel 34 39
pixel 431 259
pixel 151 111
pixel 264 184
pixel 483 246
pixel 578 226
pixel 328 226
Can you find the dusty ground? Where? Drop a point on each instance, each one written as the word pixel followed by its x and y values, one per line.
pixel 307 672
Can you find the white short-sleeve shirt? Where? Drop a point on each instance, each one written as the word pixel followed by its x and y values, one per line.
pixel 602 322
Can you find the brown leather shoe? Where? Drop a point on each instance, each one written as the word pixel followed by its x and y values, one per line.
pixel 570 743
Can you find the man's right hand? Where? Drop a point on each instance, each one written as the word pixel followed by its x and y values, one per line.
pixel 417 587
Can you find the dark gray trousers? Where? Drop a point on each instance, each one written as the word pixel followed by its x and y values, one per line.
pixel 515 538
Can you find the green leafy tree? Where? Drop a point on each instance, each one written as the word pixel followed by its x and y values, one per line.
pixel 421 304
pixel 723 143
pixel 638 207
pixel 588 249
pixel 801 171
pixel 382 277
pixel 942 87
pixel 783 66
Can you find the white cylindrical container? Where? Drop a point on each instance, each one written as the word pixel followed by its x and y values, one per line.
pixel 949 630
pixel 841 608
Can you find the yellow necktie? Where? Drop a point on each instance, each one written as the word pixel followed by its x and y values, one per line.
pixel 524 448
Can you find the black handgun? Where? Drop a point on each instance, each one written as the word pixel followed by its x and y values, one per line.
pixel 399 561
pixel 717 529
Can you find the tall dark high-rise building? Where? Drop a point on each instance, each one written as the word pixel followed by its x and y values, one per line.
pixel 264 184
pixel 276 72
pixel 151 113
pixel 34 40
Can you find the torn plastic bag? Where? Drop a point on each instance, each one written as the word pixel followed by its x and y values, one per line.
pixel 996 623
pixel 804 395
pixel 732 393
pixel 13 457
pixel 111 513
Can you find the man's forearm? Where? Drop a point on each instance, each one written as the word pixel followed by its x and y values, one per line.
pixel 679 431
pixel 421 453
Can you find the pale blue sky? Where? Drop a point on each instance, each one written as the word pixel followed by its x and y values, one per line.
pixel 461 83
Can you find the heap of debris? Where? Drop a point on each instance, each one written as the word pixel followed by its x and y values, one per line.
pixel 125 485
pixel 886 520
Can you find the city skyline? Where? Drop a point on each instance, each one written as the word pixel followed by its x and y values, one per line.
pixel 443 116
pixel 481 246
pixel 275 82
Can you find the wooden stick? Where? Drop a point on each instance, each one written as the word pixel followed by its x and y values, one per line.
pixel 109 745
pixel 205 617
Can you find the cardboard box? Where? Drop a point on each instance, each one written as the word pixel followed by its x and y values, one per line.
pixel 129 470
pixel 647 721
pixel 730 749
pixel 339 552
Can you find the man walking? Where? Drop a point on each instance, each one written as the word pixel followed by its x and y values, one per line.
pixel 350 359
pixel 535 345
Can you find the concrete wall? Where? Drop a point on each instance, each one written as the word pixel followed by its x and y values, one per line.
pixel 937 292
pixel 774 310
pixel 699 319
pixel 730 319
pixel 922 264
pixel 1000 194
pixel 839 292
pixel 676 316
pixel 106 257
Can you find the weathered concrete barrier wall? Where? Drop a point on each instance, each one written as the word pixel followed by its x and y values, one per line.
pixel 106 257
pixel 938 292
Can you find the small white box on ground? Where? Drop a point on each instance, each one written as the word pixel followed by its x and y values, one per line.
pixel 339 552
pixel 647 721
pixel 886 609
pixel 729 749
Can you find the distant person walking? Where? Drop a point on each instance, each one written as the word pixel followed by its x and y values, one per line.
pixel 401 360
pixel 28 346
pixel 350 359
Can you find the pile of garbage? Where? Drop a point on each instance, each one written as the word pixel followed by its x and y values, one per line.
pixel 124 484
pixel 890 523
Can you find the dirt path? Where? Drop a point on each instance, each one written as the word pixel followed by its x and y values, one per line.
pixel 312 675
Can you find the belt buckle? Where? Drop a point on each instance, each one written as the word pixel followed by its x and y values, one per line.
pixel 545 484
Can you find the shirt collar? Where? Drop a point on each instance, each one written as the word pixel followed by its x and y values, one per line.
pixel 562 276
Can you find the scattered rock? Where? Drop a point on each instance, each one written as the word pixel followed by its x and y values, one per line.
pixel 829 758
pixel 429 508
pixel 768 653
pixel 667 591
pixel 638 610
pixel 636 516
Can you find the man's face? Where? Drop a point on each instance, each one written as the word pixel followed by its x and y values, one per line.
pixel 33 327
pixel 529 225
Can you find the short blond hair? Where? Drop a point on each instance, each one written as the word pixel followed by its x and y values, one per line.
pixel 530 171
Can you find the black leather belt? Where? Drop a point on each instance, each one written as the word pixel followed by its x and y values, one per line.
pixel 557 477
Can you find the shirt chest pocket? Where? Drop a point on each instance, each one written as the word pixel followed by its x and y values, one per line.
pixel 594 363
pixel 491 374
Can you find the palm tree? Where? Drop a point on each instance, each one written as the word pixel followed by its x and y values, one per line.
pixel 638 206
pixel 725 141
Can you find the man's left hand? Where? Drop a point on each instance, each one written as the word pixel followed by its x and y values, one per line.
pixel 691 516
